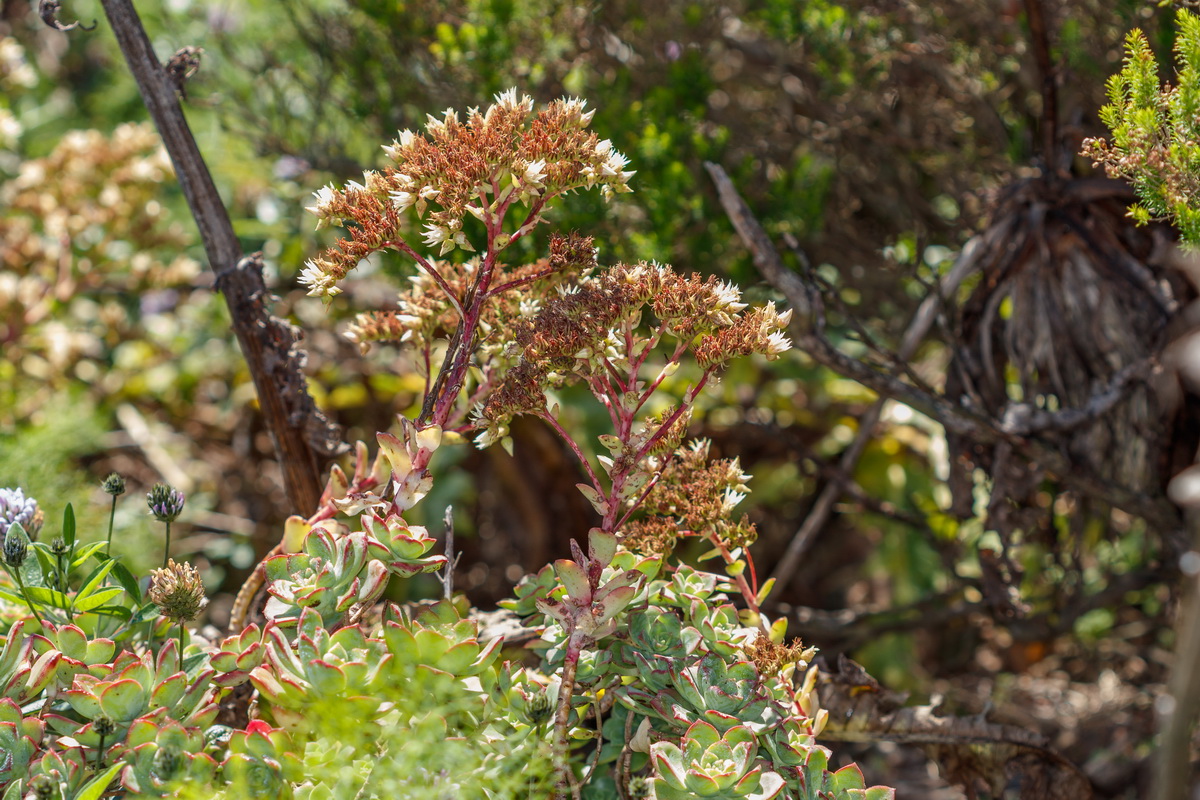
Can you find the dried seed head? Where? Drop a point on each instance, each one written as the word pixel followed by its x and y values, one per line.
pixel 177 591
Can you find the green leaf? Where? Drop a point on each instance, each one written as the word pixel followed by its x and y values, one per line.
pixel 93 580
pixel 96 787
pixel 96 600
pixel 68 526
pixel 126 579
pixel 47 597
pixel 86 553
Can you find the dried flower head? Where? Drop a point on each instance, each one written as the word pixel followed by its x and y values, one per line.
pixel 114 484
pixel 772 658
pixel 461 177
pixel 177 591
pixel 166 503
pixel 697 496
pixel 16 507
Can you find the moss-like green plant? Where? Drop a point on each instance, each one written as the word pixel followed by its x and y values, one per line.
pixel 1155 142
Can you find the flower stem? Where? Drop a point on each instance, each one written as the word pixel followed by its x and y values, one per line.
pixel 112 513
pixel 181 645
pixel 16 573
pixel 167 547
pixel 562 715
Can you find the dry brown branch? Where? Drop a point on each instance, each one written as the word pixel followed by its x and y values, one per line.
pixel 954 417
pixel 302 437
pixel 970 750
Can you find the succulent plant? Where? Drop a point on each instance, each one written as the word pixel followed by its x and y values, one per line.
pixel 814 781
pixel 408 545
pixel 710 764
pixel 335 571
pixel 342 668
pixel 236 656
pixel 20 739
pixel 262 762
pixel 159 758
pixel 137 686
pixel 23 672
pixel 79 653
pixel 440 637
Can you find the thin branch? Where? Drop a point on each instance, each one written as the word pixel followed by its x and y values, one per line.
pixel 268 344
pixel 952 416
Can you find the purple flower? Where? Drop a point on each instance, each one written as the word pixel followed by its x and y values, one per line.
pixel 16 507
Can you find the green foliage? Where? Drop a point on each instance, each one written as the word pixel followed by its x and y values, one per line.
pixel 1156 130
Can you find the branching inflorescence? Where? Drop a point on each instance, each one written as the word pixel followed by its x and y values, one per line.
pixel 648 673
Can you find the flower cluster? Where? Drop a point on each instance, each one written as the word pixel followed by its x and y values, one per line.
pixel 459 173
pixel 693 496
pixel 16 508
pixel 177 591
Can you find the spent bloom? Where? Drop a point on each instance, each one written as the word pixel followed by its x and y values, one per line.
pixel 165 503
pixel 478 166
pixel 177 591
pixel 16 507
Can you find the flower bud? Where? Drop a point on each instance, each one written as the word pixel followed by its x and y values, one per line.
pixel 165 503
pixel 58 547
pixel 15 550
pixel 114 484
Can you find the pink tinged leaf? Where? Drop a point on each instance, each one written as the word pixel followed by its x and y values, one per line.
pixel 555 610
pixel 602 546
pixel 42 673
pixel 376 582
pixel 170 691
pixel 769 785
pixel 231 678
pixel 123 700
pixel 266 684
pixel 615 602
pixel 86 704
pixel 141 730
pixel 99 651
pixel 700 783
pixel 574 579
pixel 72 642
pixel 325 678
pixel 848 777
pixel 668 763
pixel 349 597
pixel 577 554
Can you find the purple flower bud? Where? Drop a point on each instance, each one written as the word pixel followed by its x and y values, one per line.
pixel 165 503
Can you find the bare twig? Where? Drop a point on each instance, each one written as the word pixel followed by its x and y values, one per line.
pixel 953 417
pixel 300 434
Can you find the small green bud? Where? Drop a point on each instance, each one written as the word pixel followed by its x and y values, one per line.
pixel 538 709
pixel 104 726
pixel 43 787
pixel 166 762
pixel 114 484
pixel 58 547
pixel 15 550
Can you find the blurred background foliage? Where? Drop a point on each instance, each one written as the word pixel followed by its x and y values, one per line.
pixel 877 134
